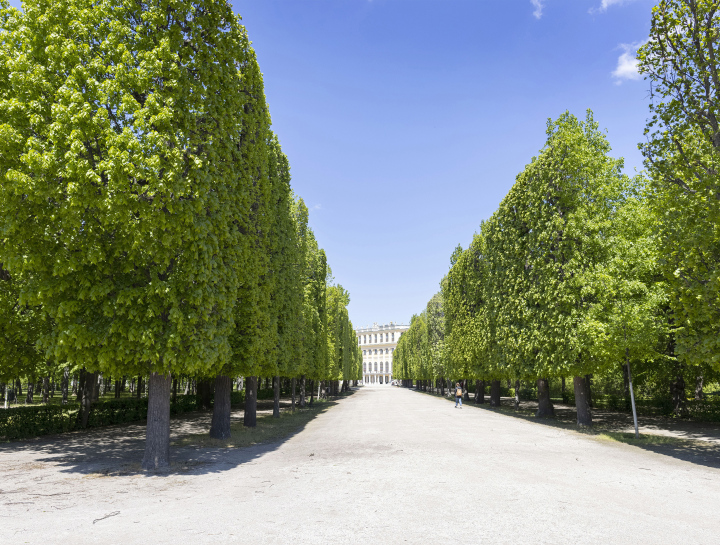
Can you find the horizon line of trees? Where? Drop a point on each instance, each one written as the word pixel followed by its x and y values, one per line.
pixel 147 224
pixel 584 271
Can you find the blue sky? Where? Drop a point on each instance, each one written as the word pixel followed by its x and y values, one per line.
pixel 406 121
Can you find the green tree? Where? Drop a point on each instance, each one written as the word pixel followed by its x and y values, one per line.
pixel 682 155
pixel 121 123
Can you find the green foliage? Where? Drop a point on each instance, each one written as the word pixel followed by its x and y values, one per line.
pixel 682 154
pixel 120 127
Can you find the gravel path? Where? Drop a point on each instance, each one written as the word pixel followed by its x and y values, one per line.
pixel 385 465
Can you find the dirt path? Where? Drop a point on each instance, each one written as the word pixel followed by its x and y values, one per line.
pixel 385 465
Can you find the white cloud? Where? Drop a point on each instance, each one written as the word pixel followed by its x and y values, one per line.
pixel 605 4
pixel 627 66
pixel 538 8
pixel 317 207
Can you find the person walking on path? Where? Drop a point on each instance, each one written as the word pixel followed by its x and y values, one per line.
pixel 458 395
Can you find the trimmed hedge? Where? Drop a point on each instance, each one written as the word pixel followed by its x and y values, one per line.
pixel 23 422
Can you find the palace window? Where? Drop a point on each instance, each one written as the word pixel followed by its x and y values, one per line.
pixel 392 337
pixel 376 367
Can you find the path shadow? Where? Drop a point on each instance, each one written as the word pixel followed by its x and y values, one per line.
pixel 117 450
pixel 694 442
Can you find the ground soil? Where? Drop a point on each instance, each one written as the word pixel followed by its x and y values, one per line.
pixel 384 465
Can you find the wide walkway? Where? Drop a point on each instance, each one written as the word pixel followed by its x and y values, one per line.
pixel 385 465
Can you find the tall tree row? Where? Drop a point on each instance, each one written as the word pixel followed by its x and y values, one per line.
pixel 147 225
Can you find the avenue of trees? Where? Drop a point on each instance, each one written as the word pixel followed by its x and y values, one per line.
pixel 586 273
pixel 147 224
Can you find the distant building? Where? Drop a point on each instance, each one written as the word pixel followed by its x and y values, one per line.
pixel 378 344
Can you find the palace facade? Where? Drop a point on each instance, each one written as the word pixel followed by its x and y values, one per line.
pixel 378 344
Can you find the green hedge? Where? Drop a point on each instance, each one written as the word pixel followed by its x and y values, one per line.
pixel 23 422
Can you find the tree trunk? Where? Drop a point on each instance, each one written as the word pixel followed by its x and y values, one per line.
pixel 80 384
pixel 250 417
pixel 545 406
pixel 46 389
pixel 302 391
pixel 495 393
pixel 562 390
pixel 481 392
pixel 87 395
pixel 292 388
pixel 96 388
pixel 588 382
pixel 30 392
pixel 312 391
pixel 187 386
pixel 517 394
pixel 276 397
pixel 582 403
pixel 677 389
pixel 174 390
pixel 64 385
pixel 204 393
pixel 466 396
pixel 699 387
pixel 138 387
pixel 626 388
pixel 157 435
pixel 220 427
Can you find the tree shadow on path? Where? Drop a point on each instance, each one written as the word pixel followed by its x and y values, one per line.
pixel 117 450
pixel 689 441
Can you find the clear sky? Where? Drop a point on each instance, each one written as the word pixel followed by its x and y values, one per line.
pixel 406 121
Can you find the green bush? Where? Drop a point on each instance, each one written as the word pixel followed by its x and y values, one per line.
pixel 22 422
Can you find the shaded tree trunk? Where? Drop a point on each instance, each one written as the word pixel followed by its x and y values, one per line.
pixel 562 390
pixel 117 389
pixel 220 427
pixel 250 417
pixel 88 382
pixel 96 388
pixel 626 388
pixel 495 393
pixel 205 388
pixel 276 397
pixel 466 395
pixel 174 390
pixel 30 392
pixel 138 386
pixel 588 386
pixel 46 389
pixel 64 385
pixel 292 390
pixel 545 406
pixel 699 387
pixel 80 384
pixel 157 434
pixel 312 391
pixel 582 401
pixel 481 392
pixel 517 394
pixel 302 391
pixel 677 390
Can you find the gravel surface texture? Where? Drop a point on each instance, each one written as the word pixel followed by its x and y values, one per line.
pixel 385 465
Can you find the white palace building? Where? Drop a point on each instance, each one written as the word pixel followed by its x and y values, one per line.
pixel 378 344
